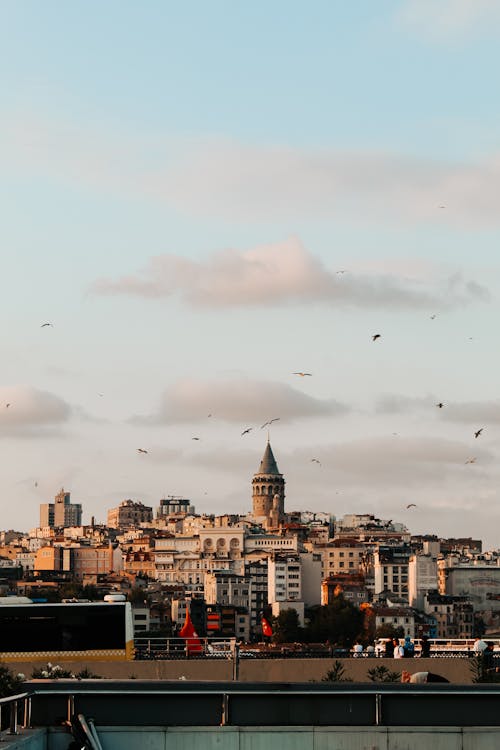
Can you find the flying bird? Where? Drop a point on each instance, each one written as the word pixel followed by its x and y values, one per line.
pixel 195 438
pixel 440 405
pixel 276 419
pixel 341 271
pixel 433 317
pixel 44 325
pixel 303 374
pixel 376 336
pixel 141 450
pixel 411 505
pixel 471 460
pixel 476 434
pixel 315 461
pixel 7 406
pixel 245 432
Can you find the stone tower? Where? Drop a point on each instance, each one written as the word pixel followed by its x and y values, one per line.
pixel 268 490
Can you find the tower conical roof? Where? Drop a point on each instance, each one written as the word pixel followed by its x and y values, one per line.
pixel 268 464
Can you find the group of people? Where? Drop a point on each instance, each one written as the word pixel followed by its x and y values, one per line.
pixel 393 648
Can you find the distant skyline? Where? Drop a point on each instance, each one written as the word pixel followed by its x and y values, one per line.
pixel 203 201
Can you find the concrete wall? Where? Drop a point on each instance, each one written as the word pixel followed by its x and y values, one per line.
pixel 260 670
pixel 277 738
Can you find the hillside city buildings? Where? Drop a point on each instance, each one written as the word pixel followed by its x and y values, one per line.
pixel 229 569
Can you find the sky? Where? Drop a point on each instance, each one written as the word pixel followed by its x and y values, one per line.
pixel 203 199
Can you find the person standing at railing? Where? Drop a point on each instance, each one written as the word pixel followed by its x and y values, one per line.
pixel 357 650
pixel 425 647
pixel 399 651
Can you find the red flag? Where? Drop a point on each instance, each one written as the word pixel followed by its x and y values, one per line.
pixel 193 643
pixel 266 628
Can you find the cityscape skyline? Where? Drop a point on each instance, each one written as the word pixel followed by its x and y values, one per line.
pixel 209 216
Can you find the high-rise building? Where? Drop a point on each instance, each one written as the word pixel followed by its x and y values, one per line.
pixel 268 490
pixel 47 515
pixel 61 513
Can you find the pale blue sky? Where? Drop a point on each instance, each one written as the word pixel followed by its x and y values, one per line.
pixel 307 138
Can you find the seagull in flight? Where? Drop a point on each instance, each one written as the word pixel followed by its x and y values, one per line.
pixel 476 434
pixel 195 438
pixel 440 405
pixel 341 271
pixel 276 419
pixel 7 406
pixel 471 460
pixel 376 336
pixel 44 325
pixel 433 317
pixel 411 505
pixel 245 432
pixel 141 450
pixel 303 374
pixel 315 461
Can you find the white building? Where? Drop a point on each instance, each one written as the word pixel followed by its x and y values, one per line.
pixel 284 582
pixel 422 578
pixel 476 578
pixel 224 587
pixel 391 569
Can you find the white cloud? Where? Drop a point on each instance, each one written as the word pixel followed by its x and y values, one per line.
pixel 389 464
pixel 26 410
pixel 244 401
pixel 281 273
pixel 266 183
pixel 438 19
pixel 472 412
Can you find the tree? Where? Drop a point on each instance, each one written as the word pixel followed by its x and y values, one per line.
pixel 382 674
pixel 137 595
pixel 336 673
pixel 389 631
pixel 286 628
pixel 339 623
pixel 10 684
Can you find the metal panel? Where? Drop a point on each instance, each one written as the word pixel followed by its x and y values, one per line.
pixel 301 710
pixel 277 739
pixel 222 738
pixel 441 710
pixel 416 739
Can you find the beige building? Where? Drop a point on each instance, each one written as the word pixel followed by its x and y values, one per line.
pixel 342 556
pixel 129 513
pixel 61 513
pixel 268 492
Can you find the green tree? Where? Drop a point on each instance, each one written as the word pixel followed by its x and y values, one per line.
pixel 336 673
pixel 137 595
pixel 286 628
pixel 339 623
pixel 10 684
pixel 389 631
pixel 382 674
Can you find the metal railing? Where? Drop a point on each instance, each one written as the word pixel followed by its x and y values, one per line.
pixel 10 709
pixel 253 704
pixel 153 648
